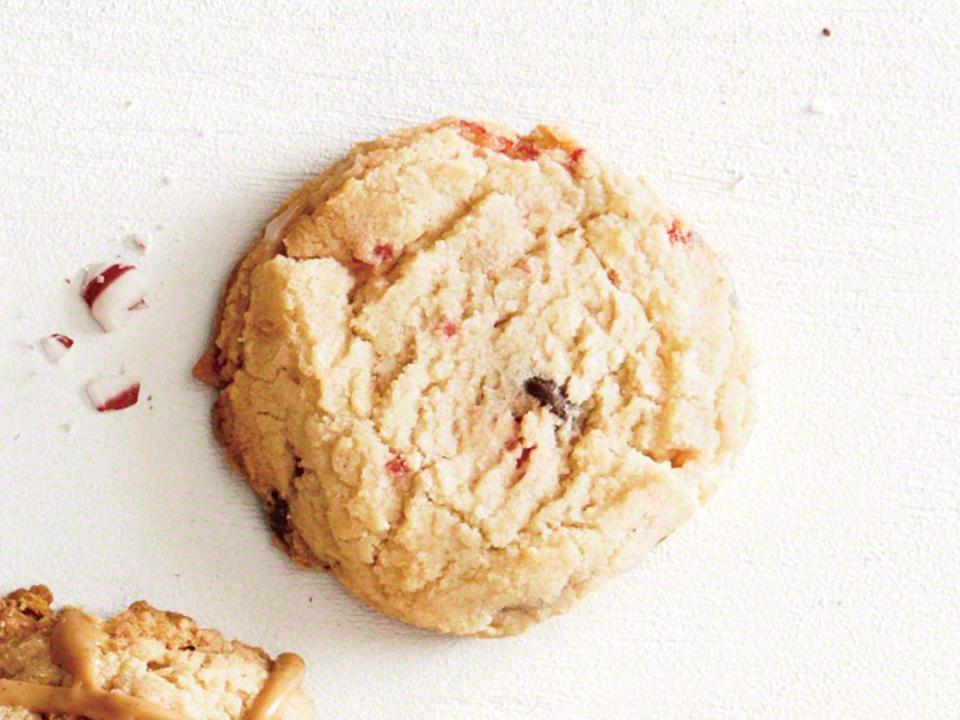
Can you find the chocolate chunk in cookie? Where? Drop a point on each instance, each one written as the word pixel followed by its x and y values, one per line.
pixel 548 394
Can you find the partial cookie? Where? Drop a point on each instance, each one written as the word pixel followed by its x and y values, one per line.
pixel 474 374
pixel 143 663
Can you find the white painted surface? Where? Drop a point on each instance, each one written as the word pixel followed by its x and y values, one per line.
pixel 821 583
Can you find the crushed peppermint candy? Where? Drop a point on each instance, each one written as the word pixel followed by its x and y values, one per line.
pixel 111 290
pixel 140 242
pixel 110 393
pixel 55 346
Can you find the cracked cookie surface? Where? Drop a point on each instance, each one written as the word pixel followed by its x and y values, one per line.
pixel 474 374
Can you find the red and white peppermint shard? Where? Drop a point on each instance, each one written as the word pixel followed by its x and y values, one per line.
pixel 109 393
pixel 56 346
pixel 111 291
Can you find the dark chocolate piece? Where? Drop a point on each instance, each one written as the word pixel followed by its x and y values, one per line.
pixel 548 394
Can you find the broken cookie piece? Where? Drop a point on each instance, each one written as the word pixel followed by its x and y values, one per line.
pixel 142 663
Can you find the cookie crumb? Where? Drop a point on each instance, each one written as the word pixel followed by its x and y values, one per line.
pixel 826 32
pixel 820 106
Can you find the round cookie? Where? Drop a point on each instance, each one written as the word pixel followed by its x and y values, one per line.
pixel 474 374
pixel 143 663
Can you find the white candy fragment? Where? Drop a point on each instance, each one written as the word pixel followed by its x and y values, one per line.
pixel 56 346
pixel 111 291
pixel 109 393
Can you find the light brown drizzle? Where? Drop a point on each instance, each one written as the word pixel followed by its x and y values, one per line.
pixel 79 701
pixel 284 679
pixel 73 647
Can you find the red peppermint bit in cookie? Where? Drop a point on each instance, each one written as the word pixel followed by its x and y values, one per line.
pixel 475 132
pixel 399 472
pixel 524 456
pixel 55 346
pixel 109 394
pixel 383 253
pixel 449 328
pixel 397 466
pixel 679 234
pixel 614 277
pixel 573 159
pixel 523 149
pixel 110 291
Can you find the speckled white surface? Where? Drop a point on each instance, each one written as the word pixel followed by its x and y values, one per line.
pixel 821 583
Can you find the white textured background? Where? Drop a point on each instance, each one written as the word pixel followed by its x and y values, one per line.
pixel 821 583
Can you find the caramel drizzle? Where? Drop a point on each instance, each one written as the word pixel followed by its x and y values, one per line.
pixel 73 647
pixel 284 679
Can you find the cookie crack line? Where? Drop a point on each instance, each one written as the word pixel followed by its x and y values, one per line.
pixel 515 292
pixel 425 242
pixel 74 647
pixel 240 272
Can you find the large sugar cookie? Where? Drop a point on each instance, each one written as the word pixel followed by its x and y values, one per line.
pixel 474 374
